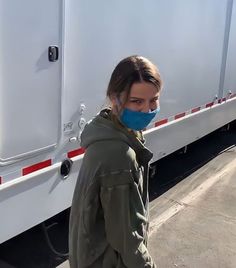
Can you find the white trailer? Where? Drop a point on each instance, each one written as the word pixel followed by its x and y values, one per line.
pixel 56 58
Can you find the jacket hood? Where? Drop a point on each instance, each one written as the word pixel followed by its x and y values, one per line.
pixel 102 128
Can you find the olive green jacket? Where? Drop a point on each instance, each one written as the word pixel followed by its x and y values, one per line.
pixel 109 213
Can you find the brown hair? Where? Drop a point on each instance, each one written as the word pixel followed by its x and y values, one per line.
pixel 133 69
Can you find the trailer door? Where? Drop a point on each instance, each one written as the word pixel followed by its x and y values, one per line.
pixel 30 77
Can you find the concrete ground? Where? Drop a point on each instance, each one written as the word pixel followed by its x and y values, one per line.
pixel 193 224
pixel 64 265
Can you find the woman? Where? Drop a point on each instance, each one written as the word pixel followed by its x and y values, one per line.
pixel 109 213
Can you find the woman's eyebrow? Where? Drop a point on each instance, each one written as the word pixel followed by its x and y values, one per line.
pixel 137 98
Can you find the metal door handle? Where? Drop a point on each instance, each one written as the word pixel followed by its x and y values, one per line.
pixel 53 53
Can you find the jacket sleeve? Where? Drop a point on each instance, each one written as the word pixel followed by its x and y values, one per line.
pixel 122 206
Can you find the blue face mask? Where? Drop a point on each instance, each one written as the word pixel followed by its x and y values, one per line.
pixel 137 120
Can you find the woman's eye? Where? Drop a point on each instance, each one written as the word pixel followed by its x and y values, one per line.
pixel 154 101
pixel 136 101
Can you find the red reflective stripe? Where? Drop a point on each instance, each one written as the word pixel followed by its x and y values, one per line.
pixel 180 115
pixel 75 152
pixel 0 180
pixel 194 110
pixel 209 104
pixel 161 122
pixel 220 100
pixel 36 167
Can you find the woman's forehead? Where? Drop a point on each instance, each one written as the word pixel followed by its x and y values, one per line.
pixel 143 90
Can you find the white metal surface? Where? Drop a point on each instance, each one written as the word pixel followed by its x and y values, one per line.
pixel 185 40
pixel 30 85
pixel 45 106
pixel 178 133
pixel 29 200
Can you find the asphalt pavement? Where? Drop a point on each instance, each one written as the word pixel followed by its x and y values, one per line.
pixel 193 225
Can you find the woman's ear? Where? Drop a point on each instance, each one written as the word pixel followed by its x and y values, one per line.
pixel 113 100
pixel 116 104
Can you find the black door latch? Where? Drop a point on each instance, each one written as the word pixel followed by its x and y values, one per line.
pixel 53 53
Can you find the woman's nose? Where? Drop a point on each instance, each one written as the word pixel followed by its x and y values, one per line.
pixel 146 107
